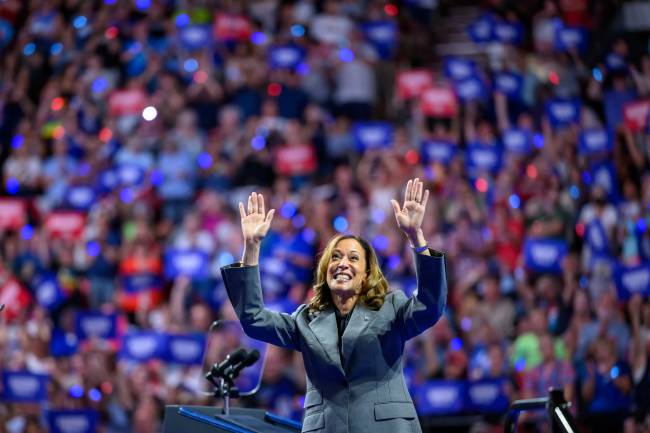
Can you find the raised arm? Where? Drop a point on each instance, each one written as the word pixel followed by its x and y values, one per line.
pixel 242 281
pixel 427 304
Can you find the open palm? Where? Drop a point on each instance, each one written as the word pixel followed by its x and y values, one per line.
pixel 409 217
pixel 255 222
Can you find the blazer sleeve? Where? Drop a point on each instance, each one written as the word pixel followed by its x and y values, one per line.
pixel 245 293
pixel 423 309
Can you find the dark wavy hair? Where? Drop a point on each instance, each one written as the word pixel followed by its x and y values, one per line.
pixel 373 289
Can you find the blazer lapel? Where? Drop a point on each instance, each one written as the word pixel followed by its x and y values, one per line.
pixel 325 331
pixel 361 318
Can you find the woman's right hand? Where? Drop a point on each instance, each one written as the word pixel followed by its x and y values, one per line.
pixel 255 223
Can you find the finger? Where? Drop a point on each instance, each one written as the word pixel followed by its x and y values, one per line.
pixel 242 212
pixel 425 198
pixel 395 206
pixel 250 204
pixel 407 194
pixel 269 216
pixel 418 192
pixel 260 203
pixel 254 195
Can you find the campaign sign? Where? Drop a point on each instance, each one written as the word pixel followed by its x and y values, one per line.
pixel 231 27
pixel 438 151
pixel 487 396
pixel 508 32
pixel 459 68
pixel 604 174
pixel 296 160
pixel 517 141
pixel 195 37
pixel 127 102
pixel 382 35
pixel 48 292
pixel 142 346
pixel 470 89
pixel 635 115
pixel 570 38
pixel 439 101
pixel 413 82
pixel 94 324
pixel 481 30
pixel 285 56
pixel 373 135
pixel 24 387
pixel 440 397
pixel 13 213
pixel 80 197
pixel 191 263
pixel 593 141
pixel 509 83
pixel 615 63
pixel 563 112
pixel 631 280
pixel 140 282
pixel 72 420
pixel 596 238
pixel 107 181
pixel 185 349
pixel 544 255
pixel 130 175
pixel 483 158
pixel 65 224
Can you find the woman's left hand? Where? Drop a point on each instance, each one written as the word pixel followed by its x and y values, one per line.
pixel 409 217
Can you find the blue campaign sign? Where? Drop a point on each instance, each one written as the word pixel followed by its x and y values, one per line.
pixel 141 283
pixel 142 346
pixel 508 32
pixel 130 175
pixel 595 141
pixel 517 141
pixel 72 420
pixel 24 387
pixel 459 68
pixel 287 56
pixel 440 397
pixel 107 181
pixel 80 197
pixel 570 38
pixel 509 83
pixel 185 349
pixel 604 174
pixel 596 238
pixel 481 30
pixel 373 135
pixel 63 343
pixel 480 157
pixel 470 89
pixel 195 37
pixel 615 63
pixel 544 255
pixel 192 263
pixel 488 396
pixel 382 35
pixel 438 151
pixel 94 324
pixel 563 112
pixel 48 291
pixel 631 280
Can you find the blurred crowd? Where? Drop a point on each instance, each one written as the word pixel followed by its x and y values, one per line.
pixel 130 129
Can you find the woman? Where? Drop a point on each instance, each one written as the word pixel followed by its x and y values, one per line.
pixel 352 333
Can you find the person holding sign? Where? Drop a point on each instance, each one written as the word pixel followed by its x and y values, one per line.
pixel 352 333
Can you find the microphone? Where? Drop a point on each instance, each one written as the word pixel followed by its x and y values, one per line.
pixel 250 359
pixel 233 358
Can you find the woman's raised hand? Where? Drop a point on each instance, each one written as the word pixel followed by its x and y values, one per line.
pixel 409 217
pixel 255 223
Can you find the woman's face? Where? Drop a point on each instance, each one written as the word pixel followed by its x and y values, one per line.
pixel 347 266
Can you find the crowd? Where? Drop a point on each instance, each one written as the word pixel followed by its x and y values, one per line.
pixel 130 130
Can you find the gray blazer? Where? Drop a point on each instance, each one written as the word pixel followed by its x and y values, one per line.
pixel 368 393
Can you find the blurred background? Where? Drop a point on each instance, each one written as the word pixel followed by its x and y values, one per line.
pixel 130 129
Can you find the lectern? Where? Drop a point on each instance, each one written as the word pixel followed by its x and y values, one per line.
pixel 207 419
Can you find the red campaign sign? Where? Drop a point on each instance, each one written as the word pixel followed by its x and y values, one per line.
pixel 13 213
pixel 228 27
pixel 295 160
pixel 636 115
pixel 439 101
pixel 127 102
pixel 15 297
pixel 65 224
pixel 412 83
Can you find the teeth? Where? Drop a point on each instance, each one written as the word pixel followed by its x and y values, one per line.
pixel 343 277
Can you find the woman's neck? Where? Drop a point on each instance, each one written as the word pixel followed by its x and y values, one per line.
pixel 344 303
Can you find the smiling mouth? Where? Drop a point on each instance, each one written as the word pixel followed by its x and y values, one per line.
pixel 341 277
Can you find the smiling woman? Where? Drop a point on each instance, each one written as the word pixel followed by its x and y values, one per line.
pixel 352 333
